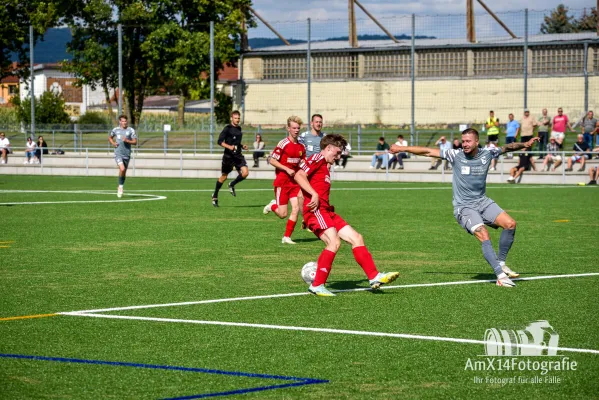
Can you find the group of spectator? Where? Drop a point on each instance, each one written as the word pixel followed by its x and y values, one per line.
pixel 33 150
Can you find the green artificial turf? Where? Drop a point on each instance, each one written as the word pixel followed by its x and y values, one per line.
pixel 79 256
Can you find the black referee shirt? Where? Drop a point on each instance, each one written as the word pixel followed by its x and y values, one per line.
pixel 231 135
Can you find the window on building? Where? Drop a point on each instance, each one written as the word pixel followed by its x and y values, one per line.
pixel 335 66
pixel 13 90
pixel 499 61
pixel 437 63
pixel 387 64
pixel 283 67
pixel 558 60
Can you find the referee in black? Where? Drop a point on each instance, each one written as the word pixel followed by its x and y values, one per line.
pixel 230 139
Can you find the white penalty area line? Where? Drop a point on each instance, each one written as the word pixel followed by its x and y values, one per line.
pixel 273 296
pixel 327 330
pixel 146 197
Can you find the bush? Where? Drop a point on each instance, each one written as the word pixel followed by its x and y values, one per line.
pixel 49 109
pixel 94 118
pixel 223 107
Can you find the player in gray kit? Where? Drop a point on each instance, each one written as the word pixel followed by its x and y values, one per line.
pixel 121 139
pixel 471 207
pixel 311 139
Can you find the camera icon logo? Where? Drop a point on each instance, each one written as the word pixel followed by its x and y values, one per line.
pixel 537 339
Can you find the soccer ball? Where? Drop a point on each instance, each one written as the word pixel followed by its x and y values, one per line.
pixel 309 272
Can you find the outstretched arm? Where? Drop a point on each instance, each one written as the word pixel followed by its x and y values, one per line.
pixel 417 150
pixel 518 146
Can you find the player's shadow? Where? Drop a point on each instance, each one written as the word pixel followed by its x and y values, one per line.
pixel 477 275
pixel 306 240
pixel 345 285
pixel 250 206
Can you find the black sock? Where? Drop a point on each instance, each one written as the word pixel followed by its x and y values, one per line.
pixel 237 180
pixel 216 189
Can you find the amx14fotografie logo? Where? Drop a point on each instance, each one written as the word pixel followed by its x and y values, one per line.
pixel 507 351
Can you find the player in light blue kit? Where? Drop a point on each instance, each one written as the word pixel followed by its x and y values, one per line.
pixel 311 139
pixel 121 139
pixel 471 207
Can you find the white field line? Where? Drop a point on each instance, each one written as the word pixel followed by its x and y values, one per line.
pixel 272 296
pixel 325 330
pixel 147 197
pixel 366 189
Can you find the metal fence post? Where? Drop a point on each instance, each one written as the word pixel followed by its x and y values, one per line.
pixel 413 79
pixel 525 58
pixel 308 73
pixel 86 162
pixel 359 139
pixel 181 162
pixel 586 77
pixel 195 142
pixel 211 87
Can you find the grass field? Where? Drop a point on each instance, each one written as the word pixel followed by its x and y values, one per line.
pixel 85 250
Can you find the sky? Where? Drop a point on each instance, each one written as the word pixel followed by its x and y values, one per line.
pixel 434 17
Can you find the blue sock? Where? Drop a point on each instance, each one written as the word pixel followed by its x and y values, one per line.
pixel 121 180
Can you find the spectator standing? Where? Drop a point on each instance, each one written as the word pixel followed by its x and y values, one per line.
pixel 589 128
pixel 444 146
pixel 4 147
pixel 512 128
pixel 560 122
pixel 29 151
pixel 381 155
pixel 543 131
pixel 42 148
pixel 492 126
pixel 552 156
pixel 528 124
pixel 258 150
pixel 398 158
pixel 582 153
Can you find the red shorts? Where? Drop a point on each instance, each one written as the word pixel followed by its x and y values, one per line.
pixel 284 193
pixel 321 220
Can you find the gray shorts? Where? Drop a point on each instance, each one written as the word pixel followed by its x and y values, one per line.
pixel 122 160
pixel 470 218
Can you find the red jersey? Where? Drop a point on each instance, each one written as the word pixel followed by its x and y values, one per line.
pixel 319 177
pixel 289 154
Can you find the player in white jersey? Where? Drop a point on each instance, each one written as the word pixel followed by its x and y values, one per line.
pixel 473 210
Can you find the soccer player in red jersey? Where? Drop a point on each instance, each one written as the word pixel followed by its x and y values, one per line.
pixel 286 158
pixel 315 181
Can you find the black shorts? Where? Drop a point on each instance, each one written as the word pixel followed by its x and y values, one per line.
pixel 524 139
pixel 493 138
pixel 236 161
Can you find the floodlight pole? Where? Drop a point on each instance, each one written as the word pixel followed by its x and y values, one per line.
pixel 211 86
pixel 309 80
pixel 120 56
pixel 413 78
pixel 32 90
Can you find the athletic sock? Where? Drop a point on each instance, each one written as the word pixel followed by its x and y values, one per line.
pixel 290 227
pixel 325 262
pixel 491 257
pixel 274 207
pixel 237 180
pixel 505 243
pixel 121 180
pixel 216 189
pixel 364 258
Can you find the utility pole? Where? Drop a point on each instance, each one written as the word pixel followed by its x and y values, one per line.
pixel 470 28
pixel 353 35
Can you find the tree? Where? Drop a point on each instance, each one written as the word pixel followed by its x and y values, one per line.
pixel 179 50
pixel 15 18
pixel 587 21
pixel 49 109
pixel 558 21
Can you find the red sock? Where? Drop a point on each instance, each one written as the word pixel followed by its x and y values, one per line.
pixel 325 262
pixel 274 207
pixel 364 258
pixel 290 227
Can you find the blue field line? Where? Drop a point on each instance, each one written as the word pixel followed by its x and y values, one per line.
pixel 298 381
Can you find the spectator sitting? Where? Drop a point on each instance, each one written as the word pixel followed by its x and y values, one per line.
pixel 523 165
pixel 30 151
pixel 491 145
pixel 381 155
pixel 582 154
pixel 4 147
pixel 444 145
pixel 593 175
pixel 42 148
pixel 456 144
pixel 344 156
pixel 552 155
pixel 258 150
pixel 398 158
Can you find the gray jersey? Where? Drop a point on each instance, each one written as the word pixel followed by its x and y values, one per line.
pixel 123 149
pixel 311 142
pixel 470 175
